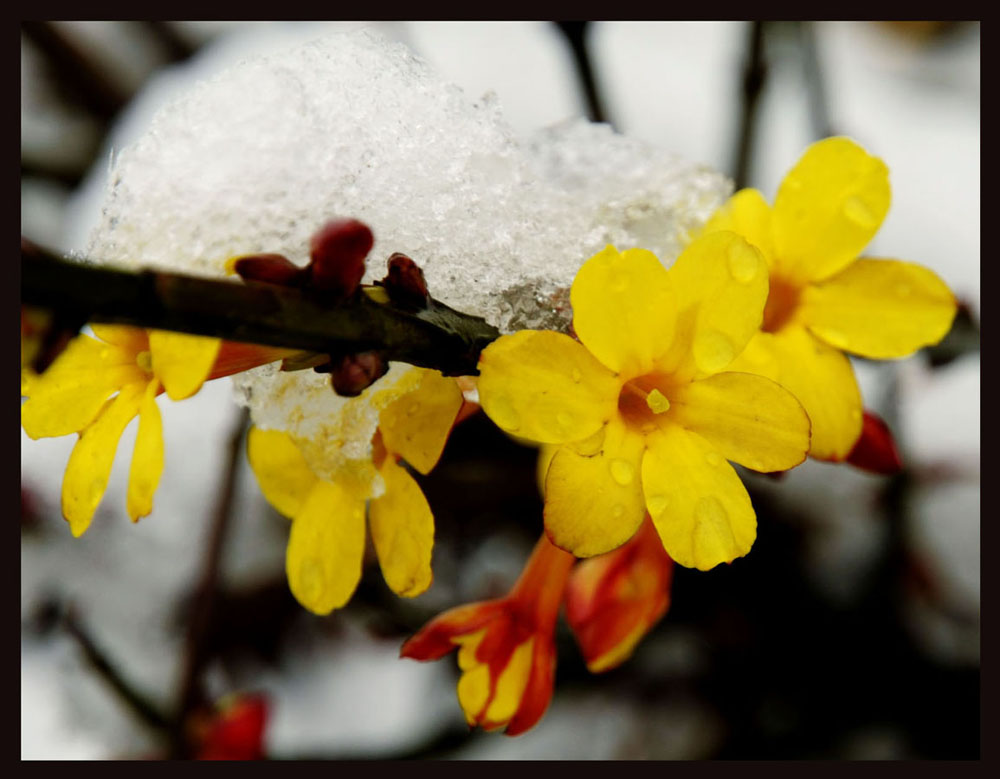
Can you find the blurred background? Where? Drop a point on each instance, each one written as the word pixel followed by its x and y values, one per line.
pixel 852 630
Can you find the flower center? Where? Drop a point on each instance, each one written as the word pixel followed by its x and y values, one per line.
pixel 782 302
pixel 642 400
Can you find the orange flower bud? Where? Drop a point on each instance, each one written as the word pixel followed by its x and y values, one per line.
pixel 506 646
pixel 614 599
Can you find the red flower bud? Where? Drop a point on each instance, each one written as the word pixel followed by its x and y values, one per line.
pixel 351 374
pixel 337 257
pixel 271 269
pixel 405 282
pixel 235 731
pixel 875 450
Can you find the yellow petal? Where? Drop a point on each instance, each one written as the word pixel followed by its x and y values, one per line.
pixel 721 283
pixel 147 457
pixel 182 362
pixel 748 419
pixel 624 309
pixel 697 502
pixel 594 504
pixel 545 387
pixel 66 398
pixel 402 528
pixel 133 339
pixel 879 308
pixel 510 686
pixel 325 548
pixel 475 684
pixel 820 377
pixel 89 464
pixel 828 208
pixel 281 470
pixel 748 215
pixel 416 426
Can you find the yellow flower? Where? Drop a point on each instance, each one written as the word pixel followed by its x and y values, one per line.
pixel 74 396
pixel 642 407
pixel 824 300
pixel 327 540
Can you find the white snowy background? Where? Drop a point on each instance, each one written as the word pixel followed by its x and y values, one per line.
pixel 673 84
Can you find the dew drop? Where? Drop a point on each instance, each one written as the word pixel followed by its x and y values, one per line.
pixel 713 351
pixel 713 458
pixel 564 419
pixel 713 537
pixel 743 263
pixel 709 510
pixel 657 504
pixel 618 511
pixel 858 212
pixel 501 411
pixel 576 375
pixel 622 472
pixel 311 579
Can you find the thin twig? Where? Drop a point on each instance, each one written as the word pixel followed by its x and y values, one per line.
pixel 576 35
pixel 754 76
pixel 206 592
pixel 434 337
pixel 139 703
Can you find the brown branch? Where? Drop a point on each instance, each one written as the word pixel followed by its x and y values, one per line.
pixel 435 337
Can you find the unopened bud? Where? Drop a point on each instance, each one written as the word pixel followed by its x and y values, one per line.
pixel 405 282
pixel 271 269
pixel 351 374
pixel 337 257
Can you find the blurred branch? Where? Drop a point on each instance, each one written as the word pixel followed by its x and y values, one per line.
pixel 435 337
pixel 576 36
pixel 754 76
pixel 815 83
pixel 196 652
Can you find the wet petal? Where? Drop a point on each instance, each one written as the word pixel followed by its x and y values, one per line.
pixel 416 426
pixel 698 504
pixel 402 528
pixel 182 362
pixel 147 457
pixel 748 215
pixel 828 208
pixel 66 398
pixel 721 283
pixel 89 465
pixel 545 387
pixel 281 470
pixel 132 339
pixel 879 309
pixel 594 504
pixel 325 548
pixel 820 377
pixel 748 419
pixel 624 309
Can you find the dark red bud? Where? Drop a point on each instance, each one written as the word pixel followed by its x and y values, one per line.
pixel 351 374
pixel 337 251
pixel 237 733
pixel 271 269
pixel 875 450
pixel 405 282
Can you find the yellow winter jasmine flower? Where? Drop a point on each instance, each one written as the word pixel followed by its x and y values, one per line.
pixel 643 409
pixel 327 540
pixel 75 396
pixel 823 299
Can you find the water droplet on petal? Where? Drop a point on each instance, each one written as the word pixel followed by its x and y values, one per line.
pixel 502 411
pixel 713 458
pixel 311 579
pixel 713 537
pixel 622 472
pixel 713 351
pixel 618 511
pixel 564 419
pixel 743 263
pixel 858 212
pixel 657 504
pixel 576 375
